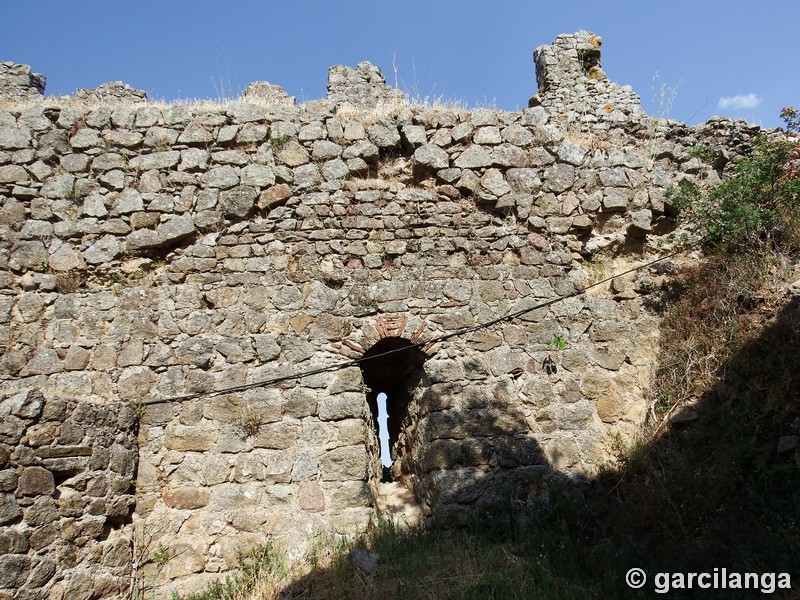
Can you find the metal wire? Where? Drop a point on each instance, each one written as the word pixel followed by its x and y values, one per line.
pixel 440 338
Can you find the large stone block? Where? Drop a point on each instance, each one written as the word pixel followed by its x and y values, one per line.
pixel 344 463
pixel 185 497
pixel 189 439
pixel 344 405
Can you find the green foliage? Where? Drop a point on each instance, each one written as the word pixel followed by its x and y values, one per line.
pixel 705 153
pixel 162 556
pixel 559 343
pixel 759 203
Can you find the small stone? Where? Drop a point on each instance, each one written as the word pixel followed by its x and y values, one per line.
pixel 473 157
pixel 291 154
pixel 44 362
pixel 430 155
pixel 102 251
pixel 787 443
pixel 195 134
pixel 12 138
pixel 311 497
pixel 487 135
pixel 12 542
pixel 14 570
pixel 243 112
pixel 223 177
pixel 365 560
pixel 274 196
pixel 42 512
pixel 66 258
pixel 42 572
pixel 414 135
pixel 571 153
pixel 252 133
pixel 160 137
pixel 616 198
pixel 260 176
pixel 175 229
pixel 307 176
pixel 361 149
pixel 268 93
pixel 325 150
pixel 641 220
pixel 128 201
pixel 688 414
pixel 156 160
pixel 27 405
pixel 35 481
pixel 28 255
pixel 494 183
pixel 384 136
pixel 142 239
pixel 13 174
pixel 518 135
pixel 558 178
pixel 9 509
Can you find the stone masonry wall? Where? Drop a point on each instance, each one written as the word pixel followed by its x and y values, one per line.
pixel 66 468
pixel 155 251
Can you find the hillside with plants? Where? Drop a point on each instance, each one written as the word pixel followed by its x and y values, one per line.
pixel 712 483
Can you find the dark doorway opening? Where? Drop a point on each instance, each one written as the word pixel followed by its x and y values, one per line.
pixel 392 367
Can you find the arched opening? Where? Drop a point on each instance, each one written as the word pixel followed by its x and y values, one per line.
pixel 391 370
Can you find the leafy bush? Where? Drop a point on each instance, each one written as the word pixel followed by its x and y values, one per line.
pixel 759 203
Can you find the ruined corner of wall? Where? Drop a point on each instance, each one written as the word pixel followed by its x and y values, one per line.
pixel 18 82
pixel 572 80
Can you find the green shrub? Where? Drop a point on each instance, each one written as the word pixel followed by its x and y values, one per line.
pixel 759 203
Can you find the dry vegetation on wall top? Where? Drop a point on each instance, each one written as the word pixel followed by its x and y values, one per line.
pixel 153 251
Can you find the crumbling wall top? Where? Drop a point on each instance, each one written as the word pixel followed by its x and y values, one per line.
pixel 114 90
pixel 18 82
pixel 269 93
pixel 571 79
pixel 363 86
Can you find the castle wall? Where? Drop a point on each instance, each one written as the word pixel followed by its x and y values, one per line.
pixel 153 252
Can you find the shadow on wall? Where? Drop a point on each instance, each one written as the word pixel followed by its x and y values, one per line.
pixel 720 488
pixel 457 446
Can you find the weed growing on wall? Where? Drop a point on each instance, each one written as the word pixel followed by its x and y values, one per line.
pixel 259 571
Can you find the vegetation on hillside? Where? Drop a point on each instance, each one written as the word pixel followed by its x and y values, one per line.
pixel 713 484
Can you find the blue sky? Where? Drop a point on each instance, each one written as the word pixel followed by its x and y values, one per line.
pixel 733 57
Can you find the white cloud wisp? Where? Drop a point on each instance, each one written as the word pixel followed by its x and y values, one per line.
pixel 742 101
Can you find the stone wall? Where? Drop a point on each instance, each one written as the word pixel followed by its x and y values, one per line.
pixel 160 251
pixel 66 473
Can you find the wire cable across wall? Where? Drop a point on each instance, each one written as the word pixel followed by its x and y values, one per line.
pixel 440 338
